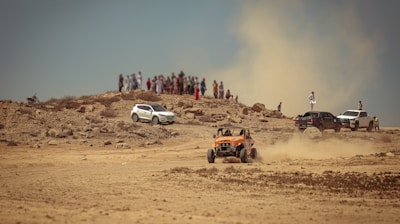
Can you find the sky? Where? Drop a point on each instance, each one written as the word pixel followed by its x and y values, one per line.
pixel 264 51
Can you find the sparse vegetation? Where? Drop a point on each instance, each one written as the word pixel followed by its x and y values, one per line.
pixel 108 113
pixel 386 139
pixel 107 101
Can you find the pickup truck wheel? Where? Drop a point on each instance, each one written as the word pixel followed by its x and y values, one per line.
pixel 337 128
pixel 321 127
pixel 210 156
pixel 135 118
pixel 370 126
pixel 243 155
pixel 356 125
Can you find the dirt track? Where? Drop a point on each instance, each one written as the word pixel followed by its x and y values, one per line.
pixel 351 182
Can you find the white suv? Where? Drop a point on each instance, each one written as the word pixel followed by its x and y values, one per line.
pixel 152 112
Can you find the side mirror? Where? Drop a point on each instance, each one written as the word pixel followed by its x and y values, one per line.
pixel 214 136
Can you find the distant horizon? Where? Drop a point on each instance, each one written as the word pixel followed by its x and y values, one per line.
pixel 264 51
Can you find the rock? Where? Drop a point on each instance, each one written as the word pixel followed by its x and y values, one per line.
pixel 245 111
pixel 389 154
pixel 81 109
pixel 190 116
pixel 263 120
pixel 195 111
pixel 52 142
pixel 107 142
pixel 90 108
pixel 258 107
pixel 122 145
pixel 52 132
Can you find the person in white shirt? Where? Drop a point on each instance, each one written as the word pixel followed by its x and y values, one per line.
pixel 312 100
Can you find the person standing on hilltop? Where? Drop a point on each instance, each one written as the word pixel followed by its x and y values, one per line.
pixel 215 89
pixel 196 91
pixel 148 83
pixel 279 106
pixel 120 82
pixel 203 87
pixel 139 80
pixel 360 106
pixel 158 85
pixel 127 83
pixel 221 90
pixel 312 100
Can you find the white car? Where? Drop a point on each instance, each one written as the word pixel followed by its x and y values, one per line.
pixel 154 113
pixel 355 119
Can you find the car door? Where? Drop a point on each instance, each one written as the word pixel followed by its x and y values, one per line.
pixel 363 119
pixel 329 120
pixel 145 112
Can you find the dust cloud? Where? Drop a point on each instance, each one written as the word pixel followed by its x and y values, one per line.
pixel 292 48
pixel 301 146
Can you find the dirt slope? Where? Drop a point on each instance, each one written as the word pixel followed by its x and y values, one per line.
pixel 59 164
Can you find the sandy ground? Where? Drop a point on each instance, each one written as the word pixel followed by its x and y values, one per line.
pixel 342 178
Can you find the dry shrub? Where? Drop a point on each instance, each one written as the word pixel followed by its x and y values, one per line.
pixel 185 170
pixel 67 102
pixel 386 139
pixel 108 113
pixel 25 111
pixel 149 96
pixel 128 96
pixel 107 101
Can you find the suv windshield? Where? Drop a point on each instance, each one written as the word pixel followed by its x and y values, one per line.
pixel 351 113
pixel 158 107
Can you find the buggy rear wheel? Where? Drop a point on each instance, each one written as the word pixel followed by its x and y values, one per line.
pixel 253 153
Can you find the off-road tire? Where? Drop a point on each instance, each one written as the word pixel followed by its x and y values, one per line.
pixel 135 118
pixel 337 128
pixel 370 126
pixel 210 156
pixel 356 125
pixel 243 155
pixel 321 127
pixel 253 153
pixel 155 120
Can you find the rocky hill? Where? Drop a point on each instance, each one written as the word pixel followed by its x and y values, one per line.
pixel 105 119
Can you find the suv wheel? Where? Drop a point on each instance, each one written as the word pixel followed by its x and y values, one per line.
pixel 135 118
pixel 243 155
pixel 155 120
pixel 210 156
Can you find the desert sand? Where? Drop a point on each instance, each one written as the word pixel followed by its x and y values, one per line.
pixel 82 160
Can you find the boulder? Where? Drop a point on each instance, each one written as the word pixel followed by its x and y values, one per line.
pixel 258 107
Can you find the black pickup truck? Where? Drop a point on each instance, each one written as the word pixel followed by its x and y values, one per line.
pixel 319 119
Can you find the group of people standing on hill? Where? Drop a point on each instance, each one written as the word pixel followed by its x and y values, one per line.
pixel 130 82
pixel 175 84
pixel 219 92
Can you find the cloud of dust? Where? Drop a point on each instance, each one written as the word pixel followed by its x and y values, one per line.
pixel 301 146
pixel 292 48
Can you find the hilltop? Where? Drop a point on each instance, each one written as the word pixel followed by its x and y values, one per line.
pixel 107 117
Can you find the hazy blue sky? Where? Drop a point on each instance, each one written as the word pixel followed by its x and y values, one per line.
pixel 263 51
